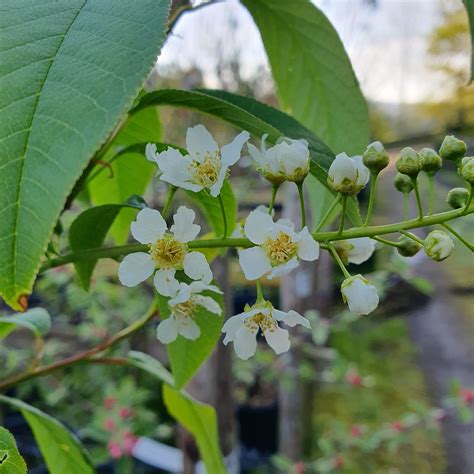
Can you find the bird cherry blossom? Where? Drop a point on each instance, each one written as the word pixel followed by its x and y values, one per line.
pixel 205 167
pixel 278 248
pixel 360 295
pixel 355 250
pixel 168 251
pixel 348 175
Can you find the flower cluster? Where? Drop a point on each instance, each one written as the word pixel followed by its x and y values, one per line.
pixel 270 248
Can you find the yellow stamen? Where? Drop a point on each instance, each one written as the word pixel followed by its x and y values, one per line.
pixel 207 172
pixel 167 252
pixel 263 321
pixel 281 249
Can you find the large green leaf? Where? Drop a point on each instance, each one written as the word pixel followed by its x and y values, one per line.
pixel 186 356
pixel 61 450
pixel 257 118
pixel 69 69
pixel 36 320
pixel 200 420
pixel 469 4
pixel 151 365
pixel 315 80
pixel 11 461
pixel 131 173
pixel 89 229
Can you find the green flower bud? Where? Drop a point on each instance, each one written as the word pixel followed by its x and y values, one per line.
pixel 452 148
pixel 457 197
pixel 467 170
pixel 409 162
pixel 403 183
pixel 430 161
pixel 408 247
pixel 375 157
pixel 438 245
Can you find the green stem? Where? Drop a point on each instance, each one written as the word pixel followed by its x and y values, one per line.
pixel 355 232
pixel 418 198
pixel 406 208
pixel 224 217
pixel 412 237
pixel 370 207
pixel 431 194
pixel 343 214
pixel 302 206
pixel 458 236
pixel 272 200
pixel 338 260
pixel 260 297
pixel 89 355
pixel 169 199
pixel 469 199
pixel 386 242
pixel 328 213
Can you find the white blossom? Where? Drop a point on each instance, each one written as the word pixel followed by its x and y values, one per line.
pixel 355 250
pixel 348 175
pixel 168 251
pixel 242 328
pixel 360 295
pixel 438 245
pixel 288 160
pixel 183 308
pixel 205 167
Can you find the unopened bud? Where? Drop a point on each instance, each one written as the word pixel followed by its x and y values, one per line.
pixel 452 148
pixel 403 183
pixel 457 197
pixel 375 157
pixel 408 163
pixel 438 245
pixel 430 161
pixel 408 247
pixel 467 170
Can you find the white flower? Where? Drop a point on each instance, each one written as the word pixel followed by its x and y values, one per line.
pixel 278 247
pixel 348 175
pixel 359 294
pixel 438 245
pixel 183 309
pixel 355 250
pixel 288 160
pixel 242 329
pixel 168 251
pixel 205 167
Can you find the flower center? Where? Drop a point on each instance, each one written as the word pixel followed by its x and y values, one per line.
pixel 281 249
pixel 263 321
pixel 207 172
pixel 167 252
pixel 184 310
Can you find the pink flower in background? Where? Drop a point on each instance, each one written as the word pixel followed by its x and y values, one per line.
pixel 109 402
pixel 397 426
pixel 356 431
pixel 467 396
pixel 299 467
pixel 338 462
pixel 125 412
pixel 114 449
pixel 354 378
pixel 109 424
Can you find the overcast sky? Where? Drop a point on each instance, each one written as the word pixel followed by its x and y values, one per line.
pixel 387 45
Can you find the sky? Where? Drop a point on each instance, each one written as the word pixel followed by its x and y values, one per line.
pixel 387 45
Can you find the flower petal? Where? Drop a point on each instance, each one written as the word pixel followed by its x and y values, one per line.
pixel 176 169
pixel 230 153
pixel 361 296
pixel 278 339
pixel 308 248
pixel 231 326
pixel 292 318
pixel 148 226
pixel 150 152
pixel 183 295
pixel 200 142
pixel 198 286
pixel 283 269
pixel 196 267
pixel 188 328
pixel 208 303
pixel 258 226
pixel 215 189
pixel 135 268
pixel 167 330
pixel 254 262
pixel 165 282
pixel 361 250
pixel 245 343
pixel 183 228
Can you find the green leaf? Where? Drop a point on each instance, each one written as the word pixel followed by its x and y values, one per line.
pixel 200 420
pixel 36 320
pixel 61 450
pixel 257 118
pixel 11 461
pixel 71 69
pixel 131 173
pixel 212 210
pixel 187 356
pixel 88 231
pixel 151 365
pixel 469 4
